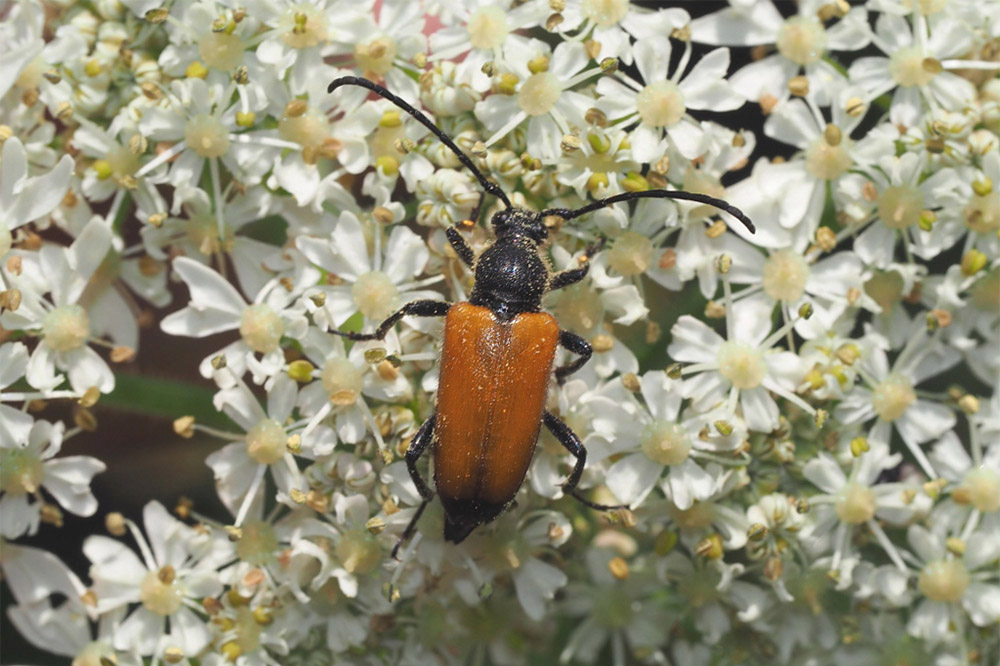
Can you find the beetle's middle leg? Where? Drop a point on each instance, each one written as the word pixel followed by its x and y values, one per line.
pixel 573 444
pixel 418 445
pixel 577 345
pixel 425 308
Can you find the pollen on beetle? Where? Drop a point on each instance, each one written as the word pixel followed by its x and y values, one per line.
pixel 341 381
pixel 785 275
pixel 661 104
pixel 488 28
pixel 206 135
pixel 892 397
pixel 266 442
pixel 66 327
pixel 375 295
pixel 944 580
pixel 605 13
pixel 261 328
pixel 631 253
pixel 159 592
pixel 742 365
pixel 665 443
pixel 855 504
pixel 802 40
pixel 900 206
pixel 539 93
pixel 906 66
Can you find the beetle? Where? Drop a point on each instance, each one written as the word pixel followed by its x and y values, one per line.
pixel 497 355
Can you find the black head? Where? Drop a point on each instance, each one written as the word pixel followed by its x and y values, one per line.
pixel 521 222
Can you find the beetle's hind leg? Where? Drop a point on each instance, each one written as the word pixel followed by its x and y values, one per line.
pixel 418 445
pixel 573 444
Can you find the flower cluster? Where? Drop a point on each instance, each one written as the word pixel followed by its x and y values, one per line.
pixel 809 453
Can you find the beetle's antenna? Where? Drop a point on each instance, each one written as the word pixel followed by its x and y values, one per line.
pixel 567 214
pixel 488 185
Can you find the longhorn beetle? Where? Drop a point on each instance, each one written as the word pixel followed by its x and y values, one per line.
pixel 497 355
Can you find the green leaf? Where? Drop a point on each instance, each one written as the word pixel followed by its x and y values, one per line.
pixel 164 398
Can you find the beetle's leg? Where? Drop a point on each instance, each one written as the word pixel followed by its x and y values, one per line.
pixel 577 345
pixel 418 445
pixel 573 444
pixel 573 275
pixel 458 243
pixel 426 308
pixel 416 449
pixel 461 248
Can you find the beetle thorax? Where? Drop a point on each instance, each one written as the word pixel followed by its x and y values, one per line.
pixel 511 277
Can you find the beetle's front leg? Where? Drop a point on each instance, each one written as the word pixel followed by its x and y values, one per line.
pixel 577 345
pixel 418 445
pixel 425 308
pixel 573 275
pixel 461 248
pixel 573 444
pixel 458 243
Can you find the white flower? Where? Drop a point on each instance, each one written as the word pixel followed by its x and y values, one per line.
pixel 49 610
pixel 345 381
pixel 544 98
pixel 177 569
pixel 195 233
pixel 609 24
pixel 384 47
pixel 919 56
pixel 202 124
pixel 484 31
pixel 378 282
pixel 62 322
pixel 801 40
pixel 26 470
pixel 847 502
pixel 828 152
pixel 741 368
pixel 660 103
pixel 951 584
pixel 240 467
pixel 661 449
pixel 23 198
pixel 889 396
pixel 217 307
pixel 897 195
